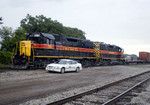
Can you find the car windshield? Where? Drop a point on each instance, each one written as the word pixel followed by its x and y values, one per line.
pixel 62 62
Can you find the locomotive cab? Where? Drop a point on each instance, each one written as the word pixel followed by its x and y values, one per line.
pixel 41 38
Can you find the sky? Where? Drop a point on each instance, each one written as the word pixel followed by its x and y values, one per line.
pixel 125 23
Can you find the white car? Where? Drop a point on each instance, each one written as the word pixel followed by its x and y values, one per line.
pixel 64 65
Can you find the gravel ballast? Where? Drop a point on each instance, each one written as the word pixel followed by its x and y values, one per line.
pixel 142 98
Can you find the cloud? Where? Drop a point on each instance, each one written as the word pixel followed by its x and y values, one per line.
pixel 121 22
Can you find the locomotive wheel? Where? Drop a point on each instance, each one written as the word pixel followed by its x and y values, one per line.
pixel 105 63
pixel 62 70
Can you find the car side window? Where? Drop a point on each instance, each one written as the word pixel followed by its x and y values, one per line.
pixel 73 62
pixel 70 62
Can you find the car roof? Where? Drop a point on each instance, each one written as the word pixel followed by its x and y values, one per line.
pixel 67 59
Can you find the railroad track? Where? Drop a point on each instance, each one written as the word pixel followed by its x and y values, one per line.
pixel 105 95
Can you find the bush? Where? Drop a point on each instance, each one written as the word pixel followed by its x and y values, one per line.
pixel 5 57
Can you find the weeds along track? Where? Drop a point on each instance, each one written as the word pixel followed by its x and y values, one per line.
pixel 105 95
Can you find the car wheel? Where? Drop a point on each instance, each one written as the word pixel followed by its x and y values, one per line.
pixel 77 69
pixel 62 70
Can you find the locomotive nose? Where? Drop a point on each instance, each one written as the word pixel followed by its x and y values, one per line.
pixel 25 47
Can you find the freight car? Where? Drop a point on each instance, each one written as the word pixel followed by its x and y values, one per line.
pixel 144 56
pixel 41 49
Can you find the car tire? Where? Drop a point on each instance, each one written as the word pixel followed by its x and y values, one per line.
pixel 62 70
pixel 77 69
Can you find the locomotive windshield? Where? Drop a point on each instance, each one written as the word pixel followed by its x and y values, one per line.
pixel 41 38
pixel 34 37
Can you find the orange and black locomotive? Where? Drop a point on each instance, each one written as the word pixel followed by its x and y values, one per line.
pixel 41 49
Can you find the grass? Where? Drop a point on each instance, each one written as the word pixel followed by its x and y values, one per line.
pixel 5 66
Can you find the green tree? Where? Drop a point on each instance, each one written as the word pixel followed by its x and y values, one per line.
pixel 9 38
pixel 19 35
pixel 5 57
pixel 6 34
pixel 42 24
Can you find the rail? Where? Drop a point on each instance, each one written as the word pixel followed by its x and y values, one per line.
pixel 115 99
pixel 77 96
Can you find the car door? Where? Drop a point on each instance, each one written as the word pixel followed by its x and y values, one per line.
pixel 74 65
pixel 69 66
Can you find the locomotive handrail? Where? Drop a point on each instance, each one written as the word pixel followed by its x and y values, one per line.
pixel 101 56
pixel 12 54
pixel 14 51
pixel 16 47
pixel 33 51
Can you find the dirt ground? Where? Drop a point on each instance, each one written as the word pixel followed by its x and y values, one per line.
pixel 39 87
